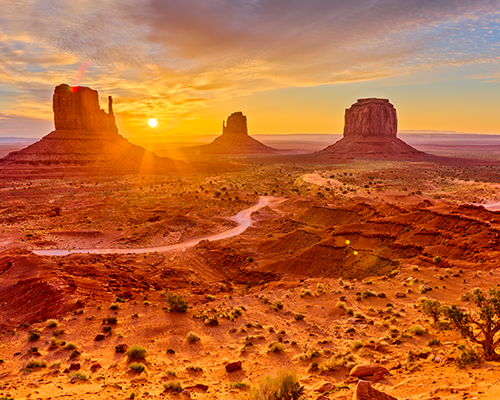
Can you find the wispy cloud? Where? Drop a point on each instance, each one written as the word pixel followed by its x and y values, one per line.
pixel 175 56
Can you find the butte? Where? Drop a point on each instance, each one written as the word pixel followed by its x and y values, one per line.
pixel 370 132
pixel 85 140
pixel 235 139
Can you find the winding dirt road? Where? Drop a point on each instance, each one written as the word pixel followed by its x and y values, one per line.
pixel 243 218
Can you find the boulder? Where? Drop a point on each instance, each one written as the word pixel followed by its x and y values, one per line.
pixel 364 391
pixel 400 294
pixel 121 348
pixel 95 367
pixel 99 337
pixel 74 367
pixel 362 371
pixel 325 387
pixel 233 366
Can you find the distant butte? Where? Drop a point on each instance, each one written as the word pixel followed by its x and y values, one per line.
pixel 85 136
pixel 235 139
pixel 370 132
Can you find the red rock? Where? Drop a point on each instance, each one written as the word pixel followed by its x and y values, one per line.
pixel 99 337
pixel 400 294
pixel 234 366
pixel 95 367
pixel 186 393
pixel 370 132
pixel 235 139
pixel 74 366
pixel 121 348
pixel 325 387
pixel 364 391
pixel 374 370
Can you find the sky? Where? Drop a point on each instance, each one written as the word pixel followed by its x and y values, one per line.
pixel 292 66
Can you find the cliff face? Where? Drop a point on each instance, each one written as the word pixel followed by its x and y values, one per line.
pixel 236 125
pixel 370 132
pixel 371 117
pixel 77 108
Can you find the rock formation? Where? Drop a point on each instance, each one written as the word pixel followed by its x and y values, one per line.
pixel 370 132
pixel 84 135
pixel 235 139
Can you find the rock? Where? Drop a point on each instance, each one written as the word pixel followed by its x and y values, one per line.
pixel 370 132
pixel 74 367
pixel 362 371
pixel 400 294
pixel 186 393
pixel 95 367
pixel 77 108
pixel 364 391
pixel 325 387
pixel 235 139
pixel 99 337
pixel 382 295
pixel 121 348
pixel 85 137
pixel 198 386
pixel 234 366
pixel 424 288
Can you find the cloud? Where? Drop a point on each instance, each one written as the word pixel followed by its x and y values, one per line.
pixel 161 54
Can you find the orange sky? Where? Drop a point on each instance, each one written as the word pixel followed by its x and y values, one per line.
pixel 290 66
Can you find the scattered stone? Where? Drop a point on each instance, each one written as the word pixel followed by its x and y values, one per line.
pixel 364 391
pixel 325 387
pixel 74 366
pixel 374 370
pixel 234 366
pixel 121 348
pixel 425 288
pixel 186 393
pixel 400 294
pixel 382 295
pixel 99 337
pixel 95 367
pixel 198 386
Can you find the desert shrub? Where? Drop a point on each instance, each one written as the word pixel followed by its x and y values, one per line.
pixel 194 368
pixel 212 321
pixel 32 363
pixel 356 344
pixel 468 356
pixel 78 376
pixel 350 311
pixel 238 385
pixel 482 325
pixel 333 363
pixel 176 303
pixel 368 293
pixel 433 342
pixel 341 304
pixel 106 328
pixel 74 354
pixel 170 373
pixel 109 320
pixel 285 386
pixel 136 352
pixel 276 306
pixel 305 292
pixel 431 308
pixel 52 323
pixel 114 306
pixel 137 367
pixel 437 259
pixel 308 354
pixel 58 332
pixel 33 335
pixel 210 297
pixel 70 346
pixel 417 330
pixel 192 337
pixel 276 347
pixel 299 317
pixel 174 386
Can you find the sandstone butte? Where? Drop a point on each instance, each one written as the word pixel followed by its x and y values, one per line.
pixel 86 137
pixel 235 139
pixel 370 132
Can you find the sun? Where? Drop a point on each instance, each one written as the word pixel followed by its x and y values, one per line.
pixel 152 122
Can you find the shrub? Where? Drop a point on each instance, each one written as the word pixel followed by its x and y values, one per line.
pixel 52 323
pixel 193 368
pixel 299 317
pixel 212 321
pixel 431 308
pixel 341 304
pixel 285 386
pixel 136 352
pixel 174 386
pixel 137 367
pixel 109 320
pixel 114 306
pixel 368 293
pixel 32 363
pixel 305 292
pixel 480 326
pixel 333 363
pixel 417 330
pixel 70 346
pixel 356 344
pixel 192 337
pixel 276 306
pixel 437 259
pixel 276 347
pixel 468 357
pixel 74 354
pixel 78 376
pixel 33 335
pixel 238 385
pixel 210 297
pixel 433 342
pixel 176 303
pixel 106 328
